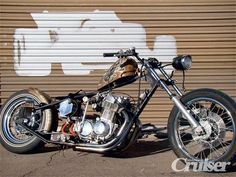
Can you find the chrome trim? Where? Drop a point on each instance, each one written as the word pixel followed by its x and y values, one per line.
pixel 188 116
pixel 124 130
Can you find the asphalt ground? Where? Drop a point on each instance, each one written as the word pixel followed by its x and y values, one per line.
pixel 150 158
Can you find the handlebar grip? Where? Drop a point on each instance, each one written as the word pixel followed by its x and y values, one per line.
pixel 109 54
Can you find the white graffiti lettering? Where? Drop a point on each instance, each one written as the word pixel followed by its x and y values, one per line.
pixel 78 40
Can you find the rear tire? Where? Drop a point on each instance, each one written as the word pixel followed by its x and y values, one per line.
pixel 10 136
pixel 175 134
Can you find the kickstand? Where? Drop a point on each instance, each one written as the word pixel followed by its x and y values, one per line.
pixel 150 129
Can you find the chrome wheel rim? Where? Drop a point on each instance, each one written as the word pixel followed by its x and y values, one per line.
pixel 13 132
pixel 219 128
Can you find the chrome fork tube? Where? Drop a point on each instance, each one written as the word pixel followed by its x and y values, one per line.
pixel 177 102
pixel 186 114
pixel 173 85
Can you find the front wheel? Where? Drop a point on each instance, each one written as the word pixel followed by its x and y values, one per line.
pixel 216 113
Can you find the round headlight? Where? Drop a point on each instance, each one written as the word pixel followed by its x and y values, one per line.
pixel 182 62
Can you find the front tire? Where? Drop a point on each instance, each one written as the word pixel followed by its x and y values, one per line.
pixel 216 112
pixel 12 136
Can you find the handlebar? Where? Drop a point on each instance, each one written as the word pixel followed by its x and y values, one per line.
pixel 121 53
pixel 109 54
pixel 131 52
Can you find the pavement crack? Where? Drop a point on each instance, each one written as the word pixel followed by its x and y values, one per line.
pixel 29 172
pixel 51 158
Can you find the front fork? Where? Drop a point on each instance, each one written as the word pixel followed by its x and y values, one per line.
pixel 195 125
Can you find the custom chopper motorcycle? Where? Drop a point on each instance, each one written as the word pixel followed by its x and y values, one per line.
pixel 201 125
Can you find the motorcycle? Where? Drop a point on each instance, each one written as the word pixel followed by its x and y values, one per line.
pixel 201 125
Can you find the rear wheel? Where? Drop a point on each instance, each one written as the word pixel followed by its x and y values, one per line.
pixel 216 113
pixel 14 137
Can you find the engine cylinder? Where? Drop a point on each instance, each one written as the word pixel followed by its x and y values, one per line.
pixel 87 129
pixel 101 128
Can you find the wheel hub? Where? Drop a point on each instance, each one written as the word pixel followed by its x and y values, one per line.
pixel 24 111
pixel 214 128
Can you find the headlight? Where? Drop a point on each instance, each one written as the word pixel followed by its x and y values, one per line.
pixel 182 62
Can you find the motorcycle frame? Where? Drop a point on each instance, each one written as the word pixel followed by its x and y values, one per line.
pixel 156 81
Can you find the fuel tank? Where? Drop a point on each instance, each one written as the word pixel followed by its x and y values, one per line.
pixel 124 71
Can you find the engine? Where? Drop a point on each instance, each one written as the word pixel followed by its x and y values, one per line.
pixel 97 127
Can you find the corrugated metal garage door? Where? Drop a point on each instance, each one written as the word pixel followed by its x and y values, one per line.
pixel 203 28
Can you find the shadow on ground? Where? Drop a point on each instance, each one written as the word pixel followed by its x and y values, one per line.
pixel 139 149
pixel 143 148
pixel 50 148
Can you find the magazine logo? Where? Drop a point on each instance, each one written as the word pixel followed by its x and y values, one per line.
pixel 203 166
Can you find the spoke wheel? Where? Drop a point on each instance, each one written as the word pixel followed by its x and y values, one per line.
pixel 218 125
pixel 215 112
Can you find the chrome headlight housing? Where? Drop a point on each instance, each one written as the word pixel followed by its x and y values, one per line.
pixel 182 62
